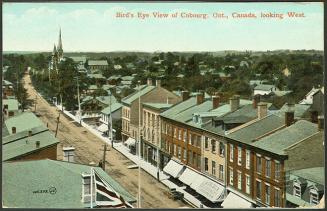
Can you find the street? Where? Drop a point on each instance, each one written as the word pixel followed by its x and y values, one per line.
pixel 89 148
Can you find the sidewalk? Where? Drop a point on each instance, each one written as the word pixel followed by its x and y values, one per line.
pixel 147 167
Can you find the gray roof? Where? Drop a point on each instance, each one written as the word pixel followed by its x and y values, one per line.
pixel 127 78
pixel 78 58
pixel 244 114
pixel 18 188
pixel 134 96
pixel 300 110
pixel 258 128
pixel 279 141
pixel 158 105
pixel 315 174
pixel 97 62
pixel 6 83
pixel 265 87
pixel 179 107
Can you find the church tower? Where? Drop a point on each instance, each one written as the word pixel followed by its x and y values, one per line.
pixel 60 50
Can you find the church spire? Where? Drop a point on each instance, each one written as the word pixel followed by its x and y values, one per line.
pixel 54 52
pixel 60 42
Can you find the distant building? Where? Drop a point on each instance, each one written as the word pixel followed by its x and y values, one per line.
pixel 264 89
pixel 115 114
pixel 10 107
pixel 80 60
pixel 97 64
pixel 22 122
pixel 286 72
pixel 57 55
pixel 92 106
pixel 7 89
pixel 58 184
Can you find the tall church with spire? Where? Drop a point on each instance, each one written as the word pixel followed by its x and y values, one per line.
pixel 57 54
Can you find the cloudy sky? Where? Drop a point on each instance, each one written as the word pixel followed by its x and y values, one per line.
pixel 94 27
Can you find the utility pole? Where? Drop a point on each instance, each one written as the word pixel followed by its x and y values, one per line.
pixel 139 149
pixel 110 122
pixel 79 104
pixel 57 124
pixel 35 103
pixel 104 157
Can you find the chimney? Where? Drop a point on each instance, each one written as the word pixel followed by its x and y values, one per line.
pixel 262 110
pixel 321 122
pixel 255 101
pixel 5 106
pixel 149 82
pixel 158 83
pixel 289 114
pixel 29 133
pixel 37 144
pixel 234 102
pixel 199 98
pixel 13 130
pixel 215 102
pixel 314 116
pixel 185 95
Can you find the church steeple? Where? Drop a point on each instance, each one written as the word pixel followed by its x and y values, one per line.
pixel 54 52
pixel 59 48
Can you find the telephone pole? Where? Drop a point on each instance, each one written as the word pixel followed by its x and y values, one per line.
pixel 35 103
pixel 104 156
pixel 57 124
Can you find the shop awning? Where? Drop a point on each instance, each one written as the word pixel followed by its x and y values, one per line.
pixel 189 176
pixel 173 168
pixel 130 142
pixel 103 128
pixel 210 189
pixel 234 201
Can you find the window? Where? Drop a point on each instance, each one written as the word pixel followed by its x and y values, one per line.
pixel 184 154
pixel 179 152
pixel 198 143
pixel 314 197
pixel 267 194
pixel 231 153
pixel 231 176
pixel 190 158
pixel 213 168
pixel 221 149
pixel 189 138
pixel 259 164
pixel 239 156
pixel 221 172
pixel 206 164
pixel 247 159
pixel 277 198
pixel 175 132
pixel 239 180
pixel 277 170
pixel 192 139
pixel 258 187
pixel 175 150
pixel 213 146
pixel 206 142
pixel 248 182
pixel 297 190
pixel 268 168
pixel 199 161
pixel 179 134
pixel 87 185
pixel 194 158
pixel 185 136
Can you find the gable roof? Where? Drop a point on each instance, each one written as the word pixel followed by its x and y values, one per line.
pixel 243 114
pixel 265 87
pixel 134 96
pixel 159 106
pixel 23 122
pixel 19 189
pixel 78 58
pixel 114 107
pixel 179 107
pixel 20 144
pixel 97 62
pixel 279 141
pixel 6 83
pixel 258 128
pixel 300 110
pixel 315 174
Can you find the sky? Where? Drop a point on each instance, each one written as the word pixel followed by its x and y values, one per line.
pixel 94 27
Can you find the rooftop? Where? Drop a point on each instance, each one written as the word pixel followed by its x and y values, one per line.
pixel 12 104
pixel 114 107
pixel 264 87
pixel 21 144
pixel 279 141
pixel 158 105
pixel 23 122
pixel 97 62
pixel 313 174
pixel 20 190
pixel 135 95
pixel 300 110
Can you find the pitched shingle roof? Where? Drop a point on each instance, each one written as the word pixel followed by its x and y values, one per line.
pixel 284 138
pixel 114 107
pixel 300 110
pixel 258 128
pixel 130 98
pixel 265 87
pixel 315 174
pixel 19 188
pixel 12 104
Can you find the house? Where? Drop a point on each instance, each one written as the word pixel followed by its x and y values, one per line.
pixel 117 67
pixel 286 72
pixel 98 78
pixel 114 111
pixel 32 144
pixel 114 79
pixel 22 122
pixel 264 89
pixel 255 83
pixel 10 107
pixel 145 94
pixel 318 101
pixel 151 128
pixel 301 111
pixel 92 106
pixel 7 89
pixel 308 99
pixel 97 64
pixel 58 184
pixel 305 187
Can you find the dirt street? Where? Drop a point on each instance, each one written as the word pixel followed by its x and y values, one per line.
pixel 88 148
